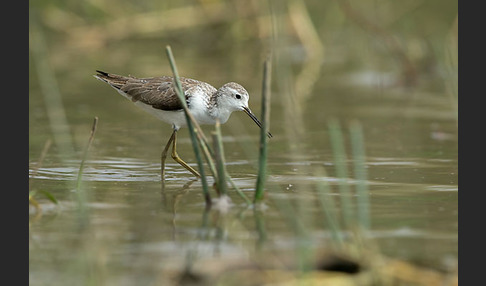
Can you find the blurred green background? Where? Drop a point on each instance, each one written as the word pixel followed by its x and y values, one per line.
pixel 336 56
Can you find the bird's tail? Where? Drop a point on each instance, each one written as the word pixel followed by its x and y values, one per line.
pixel 116 81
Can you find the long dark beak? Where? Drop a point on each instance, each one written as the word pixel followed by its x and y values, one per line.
pixel 255 119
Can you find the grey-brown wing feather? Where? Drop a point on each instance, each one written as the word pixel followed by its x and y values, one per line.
pixel 158 92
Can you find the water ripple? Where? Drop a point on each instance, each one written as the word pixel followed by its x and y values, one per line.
pixel 108 169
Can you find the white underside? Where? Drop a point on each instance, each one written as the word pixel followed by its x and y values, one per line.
pixel 177 118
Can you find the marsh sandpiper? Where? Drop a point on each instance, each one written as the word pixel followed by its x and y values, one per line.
pixel 157 96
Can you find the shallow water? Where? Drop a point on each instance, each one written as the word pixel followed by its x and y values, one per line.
pixel 133 232
pixel 137 229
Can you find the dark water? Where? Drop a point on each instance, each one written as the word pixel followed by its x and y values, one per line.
pixel 134 232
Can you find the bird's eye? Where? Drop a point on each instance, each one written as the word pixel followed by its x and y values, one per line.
pixel 238 96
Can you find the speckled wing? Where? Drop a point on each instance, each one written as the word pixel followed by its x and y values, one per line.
pixel 157 92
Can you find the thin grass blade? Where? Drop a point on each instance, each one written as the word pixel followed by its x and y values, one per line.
pixel 262 159
pixel 219 158
pixel 360 173
pixel 339 154
pixel 190 124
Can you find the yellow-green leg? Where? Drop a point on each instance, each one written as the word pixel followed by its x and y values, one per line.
pixel 164 155
pixel 176 157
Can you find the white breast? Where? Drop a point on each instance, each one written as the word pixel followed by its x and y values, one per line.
pixel 198 108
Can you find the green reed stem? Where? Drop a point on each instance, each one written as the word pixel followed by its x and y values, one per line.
pixel 190 125
pixel 357 144
pixel 51 197
pixel 52 96
pixel 85 154
pixel 293 217
pixel 81 193
pixel 209 154
pixel 47 145
pixel 262 159
pixel 219 157
pixel 339 155
pixel 328 206
pixel 238 191
pixel 260 227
